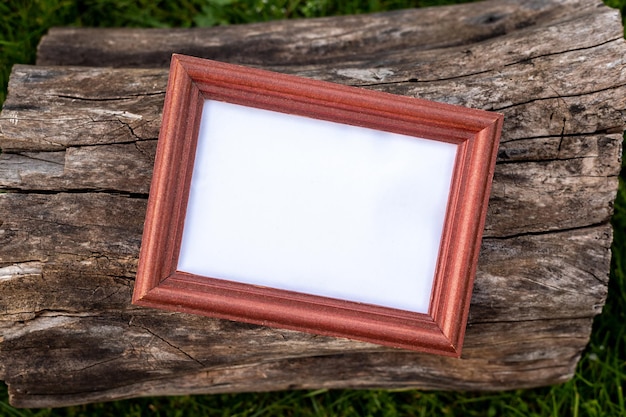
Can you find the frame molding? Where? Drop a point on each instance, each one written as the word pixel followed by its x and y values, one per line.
pixel 160 285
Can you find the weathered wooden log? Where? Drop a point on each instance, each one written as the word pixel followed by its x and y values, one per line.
pixel 77 151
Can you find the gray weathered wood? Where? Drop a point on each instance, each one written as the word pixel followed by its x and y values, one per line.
pixel 78 146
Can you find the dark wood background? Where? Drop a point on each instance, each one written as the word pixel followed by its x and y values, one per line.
pixel 78 134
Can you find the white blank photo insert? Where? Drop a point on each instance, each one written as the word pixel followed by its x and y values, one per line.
pixel 316 207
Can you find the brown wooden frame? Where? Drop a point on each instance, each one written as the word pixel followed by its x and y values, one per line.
pixel 160 285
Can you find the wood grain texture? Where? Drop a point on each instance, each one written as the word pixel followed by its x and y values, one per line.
pixel 78 147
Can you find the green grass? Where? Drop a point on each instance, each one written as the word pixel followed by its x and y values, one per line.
pixel 595 390
pixel 23 22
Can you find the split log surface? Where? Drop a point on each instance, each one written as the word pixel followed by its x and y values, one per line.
pixel 78 146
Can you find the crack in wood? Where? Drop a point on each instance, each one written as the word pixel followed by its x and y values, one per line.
pixel 118 98
pixel 99 363
pixel 131 130
pixel 25 155
pixel 168 343
pixel 495 69
pixel 555 319
pixel 585 93
pixel 551 54
pixel 486 235
pixel 502 161
pixel 416 80
pixel 618 130
pixel 11 190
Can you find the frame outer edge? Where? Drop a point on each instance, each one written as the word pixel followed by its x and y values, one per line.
pixel 192 80
pixel 156 241
pixel 488 140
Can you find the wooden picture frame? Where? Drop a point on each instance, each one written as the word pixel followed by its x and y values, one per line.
pixel 193 82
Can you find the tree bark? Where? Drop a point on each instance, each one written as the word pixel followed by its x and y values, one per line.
pixel 78 146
